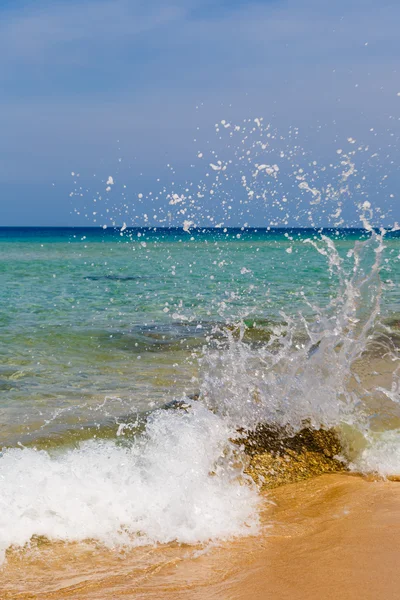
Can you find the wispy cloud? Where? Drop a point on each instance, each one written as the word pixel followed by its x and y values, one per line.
pixel 122 34
pixel 53 32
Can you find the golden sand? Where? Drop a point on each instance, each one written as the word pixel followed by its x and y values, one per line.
pixel 333 537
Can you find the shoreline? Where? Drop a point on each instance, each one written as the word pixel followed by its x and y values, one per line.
pixel 336 536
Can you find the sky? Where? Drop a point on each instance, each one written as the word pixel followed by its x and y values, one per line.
pixel 124 88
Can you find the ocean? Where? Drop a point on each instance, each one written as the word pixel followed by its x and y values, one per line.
pixel 130 360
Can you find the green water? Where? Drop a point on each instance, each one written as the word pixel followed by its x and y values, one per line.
pixel 96 325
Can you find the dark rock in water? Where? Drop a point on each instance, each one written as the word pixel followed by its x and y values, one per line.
pixel 276 439
pixel 112 277
pixel 176 405
pixel 314 349
pixel 278 456
pixel 140 419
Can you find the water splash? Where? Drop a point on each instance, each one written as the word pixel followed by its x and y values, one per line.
pixel 307 373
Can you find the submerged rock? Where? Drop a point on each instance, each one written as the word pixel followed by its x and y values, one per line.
pixel 277 456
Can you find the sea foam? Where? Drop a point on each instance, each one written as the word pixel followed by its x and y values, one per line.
pixel 381 456
pixel 180 482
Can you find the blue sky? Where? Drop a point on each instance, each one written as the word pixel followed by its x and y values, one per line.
pixel 86 83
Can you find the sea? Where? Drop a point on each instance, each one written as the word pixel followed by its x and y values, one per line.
pixel 130 359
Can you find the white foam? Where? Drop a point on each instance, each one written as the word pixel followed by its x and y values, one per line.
pixel 177 483
pixel 381 456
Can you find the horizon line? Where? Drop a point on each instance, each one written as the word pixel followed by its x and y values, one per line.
pixel 180 228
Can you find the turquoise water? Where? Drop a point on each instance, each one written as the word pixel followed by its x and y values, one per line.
pixel 96 324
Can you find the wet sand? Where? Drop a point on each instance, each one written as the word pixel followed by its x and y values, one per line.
pixel 333 537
